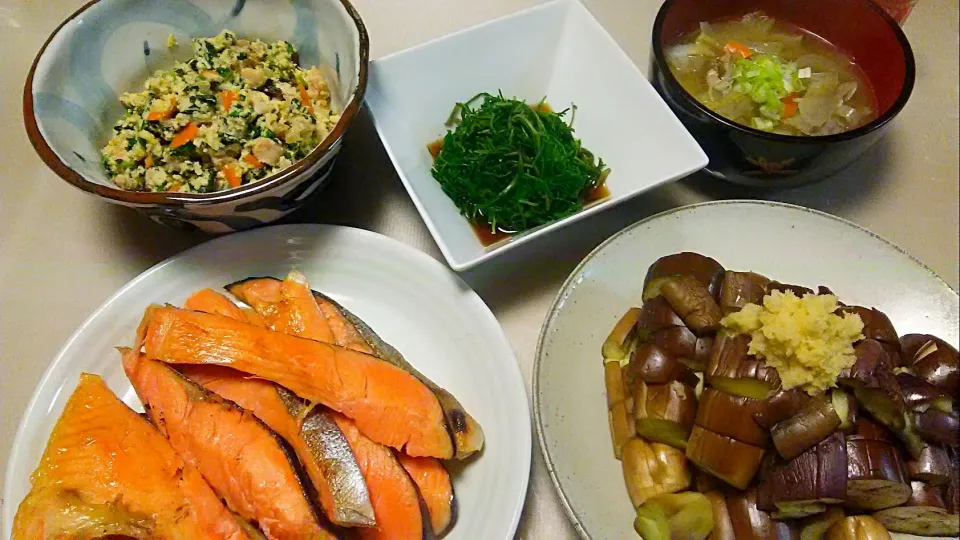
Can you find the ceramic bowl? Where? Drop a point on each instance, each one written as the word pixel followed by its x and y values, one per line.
pixel 70 101
pixel 557 50
pixel 751 157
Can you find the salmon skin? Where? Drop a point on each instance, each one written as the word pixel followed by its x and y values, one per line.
pixel 243 460
pixel 400 510
pixel 351 332
pixel 433 482
pixel 107 471
pixel 314 436
pixel 388 404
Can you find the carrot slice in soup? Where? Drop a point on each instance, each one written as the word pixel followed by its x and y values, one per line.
pixel 244 461
pixel 210 301
pixel 106 471
pixel 435 487
pixel 388 404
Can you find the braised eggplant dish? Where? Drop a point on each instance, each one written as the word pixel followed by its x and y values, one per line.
pixel 745 408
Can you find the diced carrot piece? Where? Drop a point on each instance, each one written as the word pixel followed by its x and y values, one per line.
pixel 253 161
pixel 227 97
pixel 304 98
pixel 186 135
pixel 790 106
pixel 175 187
pixel 233 178
pixel 739 48
pixel 148 161
pixel 156 116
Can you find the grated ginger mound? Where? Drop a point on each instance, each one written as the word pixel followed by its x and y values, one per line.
pixel 802 338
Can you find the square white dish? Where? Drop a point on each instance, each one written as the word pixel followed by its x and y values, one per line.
pixel 557 50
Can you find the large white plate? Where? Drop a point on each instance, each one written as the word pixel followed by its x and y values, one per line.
pixel 785 242
pixel 440 325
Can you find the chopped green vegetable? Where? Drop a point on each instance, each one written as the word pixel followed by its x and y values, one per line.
pixel 513 166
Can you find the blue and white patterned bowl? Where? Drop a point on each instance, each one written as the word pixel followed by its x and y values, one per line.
pixel 111 46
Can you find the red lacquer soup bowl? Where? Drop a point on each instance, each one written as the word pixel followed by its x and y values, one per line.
pixel 744 155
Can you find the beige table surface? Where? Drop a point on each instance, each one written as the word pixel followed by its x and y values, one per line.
pixel 62 252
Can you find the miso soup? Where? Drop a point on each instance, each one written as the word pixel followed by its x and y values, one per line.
pixel 772 76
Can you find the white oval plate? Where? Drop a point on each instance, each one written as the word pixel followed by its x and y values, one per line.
pixel 787 243
pixel 440 325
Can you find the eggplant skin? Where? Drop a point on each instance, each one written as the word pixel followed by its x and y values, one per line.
pixel 818 475
pixel 657 314
pixel 872 380
pixel 694 303
pixel 732 461
pixel 938 427
pixel 876 325
pixel 706 270
pixel 876 476
pixel 911 344
pixel 741 288
pixel 655 365
pixel 941 369
pixel 932 466
pixel 751 523
pixel 780 406
pixel 731 416
pixel 917 392
pixel 812 424
pixel 798 290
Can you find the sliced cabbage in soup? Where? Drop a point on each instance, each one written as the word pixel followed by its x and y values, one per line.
pixel 771 76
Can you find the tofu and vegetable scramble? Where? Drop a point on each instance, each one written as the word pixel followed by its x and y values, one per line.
pixel 236 112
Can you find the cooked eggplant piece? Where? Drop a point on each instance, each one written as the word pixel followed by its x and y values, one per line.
pixel 653 364
pixel 693 302
pixel 734 371
pixel 938 427
pixel 650 469
pixel 704 482
pixel 872 380
pixel 617 344
pixel 847 409
pixel 953 494
pixel 741 288
pixel 857 528
pixel 932 466
pixel 925 514
pixel 812 424
pixel 651 523
pixel 780 406
pixel 731 416
pixel 675 515
pixel 804 485
pixel 938 366
pixel 751 523
pixel 814 527
pixel 722 525
pixel 876 476
pixel 657 314
pixel 706 270
pixel 869 430
pixel 911 345
pixel 876 325
pixel 728 459
pixel 918 394
pixel 665 412
pixel 622 427
pixel 701 355
pixel 678 341
pixel 613 379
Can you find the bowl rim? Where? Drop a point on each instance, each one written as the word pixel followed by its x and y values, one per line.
pixel 906 90
pixel 167 199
